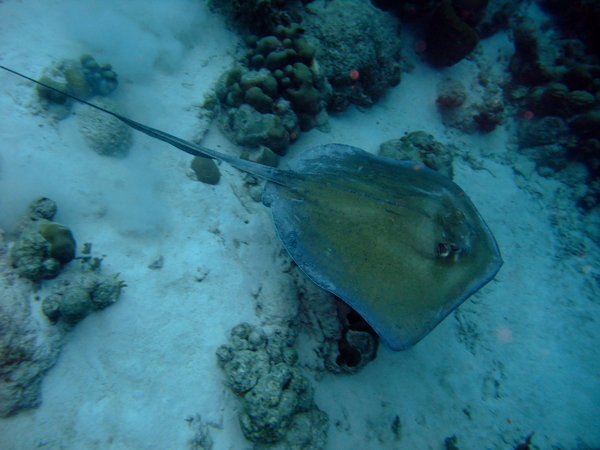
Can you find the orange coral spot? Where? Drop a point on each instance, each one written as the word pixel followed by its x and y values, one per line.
pixel 293 136
pixel 354 75
pixel 528 114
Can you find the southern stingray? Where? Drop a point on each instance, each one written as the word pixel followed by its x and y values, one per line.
pixel 398 242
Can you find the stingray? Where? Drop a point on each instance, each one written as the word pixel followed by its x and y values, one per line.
pixel 398 242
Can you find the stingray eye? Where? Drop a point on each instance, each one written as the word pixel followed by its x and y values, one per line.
pixel 447 249
pixel 444 250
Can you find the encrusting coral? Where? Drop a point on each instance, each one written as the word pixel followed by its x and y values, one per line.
pixel 278 401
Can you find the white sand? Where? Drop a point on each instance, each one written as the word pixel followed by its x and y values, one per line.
pixel 521 355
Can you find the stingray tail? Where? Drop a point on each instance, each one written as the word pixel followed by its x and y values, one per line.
pixel 268 173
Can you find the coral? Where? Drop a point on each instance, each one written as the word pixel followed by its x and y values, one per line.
pixel 30 257
pixel 278 401
pixel 40 208
pixel 557 85
pixel 578 18
pixel 101 79
pixel 245 359
pixel 29 347
pixel 305 99
pixel 105 134
pixel 420 147
pixel 51 307
pixel 449 39
pixel 351 36
pixel 258 16
pixel 88 291
pixel 206 170
pixel 274 70
pixel 556 88
pixel 50 94
pixel 261 102
pixel 74 305
pixel 310 66
pixel 84 78
pixel 581 77
pixel 277 60
pixel 525 64
pixel 543 131
pixel 481 110
pixel 246 126
pixel 555 99
pixel 77 83
pixel 271 403
pixel 104 290
pixel 489 116
pixel 587 125
pixel 62 243
pixel 42 249
pixel 451 94
pixel 496 17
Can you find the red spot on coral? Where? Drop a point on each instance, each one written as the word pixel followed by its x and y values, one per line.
pixel 528 115
pixel 420 46
pixel 293 136
pixel 354 75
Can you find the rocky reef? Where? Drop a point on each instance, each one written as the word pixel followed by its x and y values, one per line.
pixel 33 331
pixel 304 61
pixel 481 110
pixel 86 79
pixel 451 29
pixel 421 147
pixel 278 409
pixel 341 340
pixel 449 37
pixel 556 87
pixel 43 247
pixel 358 49
pixel 273 93
pixel 105 134
pixel 83 79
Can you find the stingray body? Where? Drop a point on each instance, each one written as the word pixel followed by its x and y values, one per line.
pixel 400 243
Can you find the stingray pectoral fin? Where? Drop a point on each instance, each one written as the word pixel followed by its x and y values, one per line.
pixel 403 265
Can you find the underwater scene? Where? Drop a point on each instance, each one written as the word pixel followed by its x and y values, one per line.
pixel 300 225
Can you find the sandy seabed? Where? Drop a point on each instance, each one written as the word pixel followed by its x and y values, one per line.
pixel 520 356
